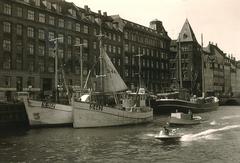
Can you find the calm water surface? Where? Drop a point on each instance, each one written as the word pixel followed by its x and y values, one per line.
pixel 216 140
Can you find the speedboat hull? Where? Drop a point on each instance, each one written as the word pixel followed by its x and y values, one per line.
pixel 48 114
pixel 168 137
pixel 86 115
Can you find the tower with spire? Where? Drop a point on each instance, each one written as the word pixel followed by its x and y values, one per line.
pixel 188 54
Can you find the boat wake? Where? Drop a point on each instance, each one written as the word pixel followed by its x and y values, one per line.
pixel 207 135
pixel 213 122
pixel 230 117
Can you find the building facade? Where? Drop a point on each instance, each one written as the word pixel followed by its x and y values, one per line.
pixel 27 54
pixel 186 61
pixel 152 45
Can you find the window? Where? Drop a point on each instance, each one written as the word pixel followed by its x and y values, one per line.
pixel 30 49
pixel 19 63
pixel 119 38
pixel 7 45
pixel 41 66
pixel 37 2
pixel 60 35
pixel 19 47
pixel 41 50
pixel 61 23
pixel 85 43
pixel 69 54
pixel 77 40
pixel 51 52
pixel 78 27
pixel 51 35
pixel 7 63
pixel 126 47
pixel 114 49
pixel 19 29
pixel 94 45
pixel 126 60
pixel 7 80
pixel 60 53
pixel 30 32
pixel 41 18
pixel 6 27
pixel 69 25
pixel 7 9
pixel 69 40
pixel 85 29
pixel 119 50
pixel 114 37
pixel 19 12
pixel 133 49
pixel 110 48
pixel 51 20
pixel 30 15
pixel 95 31
pixel 51 67
pixel 31 66
pixel 41 34
pixel 126 35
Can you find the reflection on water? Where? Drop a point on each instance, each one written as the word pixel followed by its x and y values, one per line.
pixel 215 140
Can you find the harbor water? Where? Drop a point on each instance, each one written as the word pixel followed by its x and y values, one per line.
pixel 216 139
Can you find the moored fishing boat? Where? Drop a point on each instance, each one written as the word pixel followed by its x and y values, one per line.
pixel 50 112
pixel 110 104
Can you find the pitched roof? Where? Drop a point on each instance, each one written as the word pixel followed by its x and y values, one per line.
pixel 187 34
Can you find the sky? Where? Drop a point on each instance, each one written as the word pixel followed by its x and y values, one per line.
pixel 217 20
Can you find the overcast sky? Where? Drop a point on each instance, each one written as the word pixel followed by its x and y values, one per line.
pixel 217 20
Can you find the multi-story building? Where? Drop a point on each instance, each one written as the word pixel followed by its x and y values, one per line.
pixel 186 60
pixel 27 56
pixel 152 45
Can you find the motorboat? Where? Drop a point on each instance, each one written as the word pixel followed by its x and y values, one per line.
pixel 172 136
pixel 181 118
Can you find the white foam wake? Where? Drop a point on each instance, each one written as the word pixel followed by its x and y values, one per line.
pixel 230 117
pixel 208 134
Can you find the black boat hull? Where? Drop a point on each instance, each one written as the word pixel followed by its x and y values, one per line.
pixel 171 105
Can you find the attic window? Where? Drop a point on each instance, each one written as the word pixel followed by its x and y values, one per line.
pixel 185 35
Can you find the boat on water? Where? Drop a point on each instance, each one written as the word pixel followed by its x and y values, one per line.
pixel 181 118
pixel 195 104
pixel 111 104
pixel 50 111
pixel 181 100
pixel 171 136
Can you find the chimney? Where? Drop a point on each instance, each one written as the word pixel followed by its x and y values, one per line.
pixel 99 12
pixel 105 13
pixel 85 7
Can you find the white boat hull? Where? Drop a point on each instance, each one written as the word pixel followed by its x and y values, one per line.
pixel 85 116
pixel 40 113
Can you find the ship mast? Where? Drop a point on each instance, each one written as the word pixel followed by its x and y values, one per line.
pixel 101 75
pixel 180 63
pixel 55 40
pixel 202 57
pixel 81 65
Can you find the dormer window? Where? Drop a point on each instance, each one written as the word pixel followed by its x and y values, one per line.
pixel 72 12
pixel 47 4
